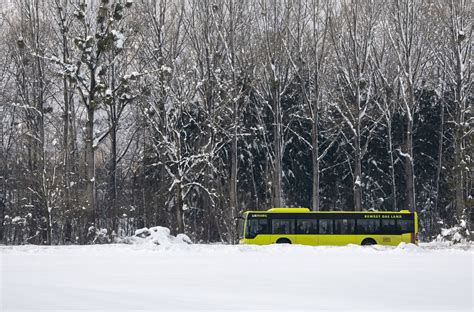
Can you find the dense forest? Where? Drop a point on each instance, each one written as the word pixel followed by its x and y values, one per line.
pixel 121 114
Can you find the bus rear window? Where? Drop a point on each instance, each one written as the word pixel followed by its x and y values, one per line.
pixel 256 227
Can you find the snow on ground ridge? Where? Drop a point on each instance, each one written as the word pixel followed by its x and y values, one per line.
pixel 191 277
pixel 156 235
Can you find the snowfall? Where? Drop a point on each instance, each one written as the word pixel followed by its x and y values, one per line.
pixel 155 271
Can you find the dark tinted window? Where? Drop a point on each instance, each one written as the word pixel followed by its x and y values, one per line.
pixel 405 226
pixel 240 227
pixel 255 227
pixel 368 226
pixel 283 226
pixel 389 226
pixel 344 226
pixel 325 226
pixel 307 226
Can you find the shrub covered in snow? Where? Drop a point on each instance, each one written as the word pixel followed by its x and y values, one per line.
pixel 97 236
pixel 456 234
pixel 157 235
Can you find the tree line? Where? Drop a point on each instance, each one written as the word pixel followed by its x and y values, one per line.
pixel 121 114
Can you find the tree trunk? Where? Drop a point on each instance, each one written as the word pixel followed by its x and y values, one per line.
pixel 66 165
pixel 113 177
pixel 460 105
pixel 179 191
pixel 113 217
pixel 234 153
pixel 357 157
pixel 4 173
pixel 459 161
pixel 2 214
pixel 233 175
pixel 357 180
pixel 90 217
pixel 409 168
pixel 39 88
pixel 277 167
pixel 315 152
pixel 392 165
pixel 439 165
pixel 179 210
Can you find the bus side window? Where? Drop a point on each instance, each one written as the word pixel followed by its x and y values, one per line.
pixel 283 226
pixel 361 227
pixel 307 226
pixel 344 226
pixel 368 226
pixel 405 226
pixel 388 226
pixel 374 226
pixel 325 226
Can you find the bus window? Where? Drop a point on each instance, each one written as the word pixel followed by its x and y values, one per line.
pixel 283 226
pixel 256 227
pixel 307 226
pixel 344 226
pixel 405 226
pixel 368 226
pixel 388 226
pixel 325 226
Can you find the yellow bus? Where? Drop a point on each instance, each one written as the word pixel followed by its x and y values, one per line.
pixel 302 226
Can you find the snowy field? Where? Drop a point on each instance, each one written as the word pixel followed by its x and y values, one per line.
pixel 249 278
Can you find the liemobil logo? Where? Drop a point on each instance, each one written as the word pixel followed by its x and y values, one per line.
pixel 258 215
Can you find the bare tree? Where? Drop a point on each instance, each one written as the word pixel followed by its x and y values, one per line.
pixel 232 23
pixel 97 36
pixel 166 109
pixel 356 21
pixel 405 29
pixel 32 91
pixel 317 55
pixel 456 29
pixel 7 129
pixel 384 67
pixel 277 72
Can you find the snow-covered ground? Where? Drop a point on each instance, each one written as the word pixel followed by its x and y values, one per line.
pixel 221 277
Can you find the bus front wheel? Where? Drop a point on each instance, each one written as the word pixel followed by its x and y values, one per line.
pixel 368 241
pixel 283 241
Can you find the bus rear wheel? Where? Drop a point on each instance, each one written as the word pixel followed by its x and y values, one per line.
pixel 283 241
pixel 368 241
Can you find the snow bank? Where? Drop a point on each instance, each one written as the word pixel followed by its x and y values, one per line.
pixel 457 234
pixel 156 235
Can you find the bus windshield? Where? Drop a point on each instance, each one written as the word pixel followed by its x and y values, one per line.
pixel 240 227
pixel 256 226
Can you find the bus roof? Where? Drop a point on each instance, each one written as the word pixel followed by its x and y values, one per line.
pixel 307 210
